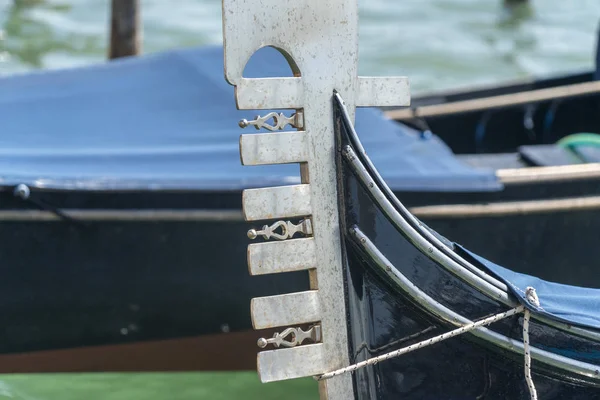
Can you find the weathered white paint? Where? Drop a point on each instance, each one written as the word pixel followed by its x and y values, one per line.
pixel 548 174
pixel 284 256
pixel 285 309
pixel 503 209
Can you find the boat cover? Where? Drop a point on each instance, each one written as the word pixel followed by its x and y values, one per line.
pixel 169 121
pixel 571 304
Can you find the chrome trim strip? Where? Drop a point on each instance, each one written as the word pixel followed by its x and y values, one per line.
pixel 124 215
pixel 498 101
pixel 467 271
pixel 390 197
pixel 501 209
pixel 548 174
pixel 476 277
pixel 451 317
pixel 438 251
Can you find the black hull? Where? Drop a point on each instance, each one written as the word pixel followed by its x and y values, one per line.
pixel 128 277
pixel 124 268
pixel 403 286
pixel 523 242
pixel 503 129
pixel 141 266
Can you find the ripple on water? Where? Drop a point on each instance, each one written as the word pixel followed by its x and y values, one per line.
pixel 438 43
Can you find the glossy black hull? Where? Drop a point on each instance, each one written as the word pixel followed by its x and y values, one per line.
pixel 123 268
pixel 383 320
pixel 400 291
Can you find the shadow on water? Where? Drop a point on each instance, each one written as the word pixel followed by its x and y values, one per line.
pixel 28 36
pixel 515 13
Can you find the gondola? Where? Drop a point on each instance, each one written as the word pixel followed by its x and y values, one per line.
pixel 405 284
pixel 540 138
pixel 394 309
pixel 504 121
pixel 121 220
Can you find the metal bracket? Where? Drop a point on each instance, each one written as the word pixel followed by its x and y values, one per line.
pixel 288 230
pixel 280 121
pixel 297 336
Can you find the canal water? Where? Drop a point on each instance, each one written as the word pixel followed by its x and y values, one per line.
pixel 439 44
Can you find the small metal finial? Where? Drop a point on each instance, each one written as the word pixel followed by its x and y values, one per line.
pixel 288 230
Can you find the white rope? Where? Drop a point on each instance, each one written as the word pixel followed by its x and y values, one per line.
pixel 424 343
pixel 531 296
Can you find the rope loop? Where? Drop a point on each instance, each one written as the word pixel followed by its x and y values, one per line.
pixel 531 296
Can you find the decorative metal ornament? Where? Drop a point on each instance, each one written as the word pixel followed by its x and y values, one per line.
pixel 296 335
pixel 288 230
pixel 280 121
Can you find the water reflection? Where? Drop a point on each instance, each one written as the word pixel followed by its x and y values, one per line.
pixel 32 31
pixel 439 44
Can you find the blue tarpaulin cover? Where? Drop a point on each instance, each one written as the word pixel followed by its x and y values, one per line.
pixel 169 121
pixel 571 304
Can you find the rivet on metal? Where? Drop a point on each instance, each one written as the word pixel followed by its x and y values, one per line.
pixel 279 121
pixel 296 335
pixel 347 153
pixel 288 230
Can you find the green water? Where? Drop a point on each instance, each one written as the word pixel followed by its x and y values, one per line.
pixel 152 386
pixel 437 43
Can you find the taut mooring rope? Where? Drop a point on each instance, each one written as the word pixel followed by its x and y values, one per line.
pixel 531 296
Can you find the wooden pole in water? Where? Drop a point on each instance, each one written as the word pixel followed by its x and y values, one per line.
pixel 125 32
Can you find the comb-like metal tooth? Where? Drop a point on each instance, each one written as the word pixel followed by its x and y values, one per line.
pixel 285 309
pixel 269 93
pixel 273 148
pixel 276 202
pixel 285 256
pixel 295 362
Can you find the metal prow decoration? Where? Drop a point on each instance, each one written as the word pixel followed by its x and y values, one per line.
pixel 319 39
